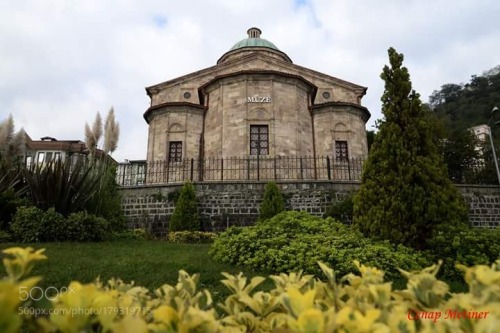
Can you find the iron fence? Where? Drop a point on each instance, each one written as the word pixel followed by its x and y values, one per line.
pixel 240 169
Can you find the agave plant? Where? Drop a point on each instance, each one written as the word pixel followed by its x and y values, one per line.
pixel 12 190
pixel 66 186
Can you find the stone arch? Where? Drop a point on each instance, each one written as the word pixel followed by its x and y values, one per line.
pixel 340 127
pixel 175 127
pixel 259 114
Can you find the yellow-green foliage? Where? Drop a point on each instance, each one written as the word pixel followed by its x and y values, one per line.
pixel 298 303
pixel 191 237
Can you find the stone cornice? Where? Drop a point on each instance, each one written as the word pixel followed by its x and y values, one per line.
pixel 151 109
pixel 324 106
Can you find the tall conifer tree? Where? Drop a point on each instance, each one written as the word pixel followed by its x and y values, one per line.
pixel 405 193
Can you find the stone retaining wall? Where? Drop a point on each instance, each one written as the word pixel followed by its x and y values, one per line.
pixel 226 204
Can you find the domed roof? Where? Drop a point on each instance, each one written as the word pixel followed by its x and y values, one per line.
pixel 254 40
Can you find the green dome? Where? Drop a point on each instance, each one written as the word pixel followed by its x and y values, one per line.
pixel 254 40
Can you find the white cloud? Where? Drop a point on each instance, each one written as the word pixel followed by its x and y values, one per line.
pixel 62 61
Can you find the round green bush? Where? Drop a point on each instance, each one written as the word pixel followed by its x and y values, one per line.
pixel 84 227
pixel 293 241
pixel 31 224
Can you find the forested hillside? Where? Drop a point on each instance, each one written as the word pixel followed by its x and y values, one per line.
pixel 464 105
pixel 458 107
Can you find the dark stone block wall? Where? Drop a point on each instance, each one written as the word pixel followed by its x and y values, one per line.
pixel 222 205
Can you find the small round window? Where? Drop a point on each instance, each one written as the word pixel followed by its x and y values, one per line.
pixel 326 95
pixel 187 95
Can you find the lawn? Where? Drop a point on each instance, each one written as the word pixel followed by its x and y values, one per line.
pixel 148 263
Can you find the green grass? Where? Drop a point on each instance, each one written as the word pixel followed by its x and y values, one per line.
pixel 147 263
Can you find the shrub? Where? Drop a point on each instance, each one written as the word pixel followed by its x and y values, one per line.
pixel 293 241
pixel 191 237
pixel 31 224
pixel 296 303
pixel 84 227
pixel 273 202
pixel 468 246
pixel 185 216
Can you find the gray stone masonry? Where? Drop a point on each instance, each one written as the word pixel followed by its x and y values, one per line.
pixel 222 205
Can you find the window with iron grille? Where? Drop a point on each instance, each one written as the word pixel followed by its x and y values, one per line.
pixel 259 140
pixel 175 151
pixel 341 153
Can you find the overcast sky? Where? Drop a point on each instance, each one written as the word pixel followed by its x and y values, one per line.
pixel 62 61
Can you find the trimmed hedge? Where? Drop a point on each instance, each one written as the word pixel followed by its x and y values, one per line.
pixel 293 241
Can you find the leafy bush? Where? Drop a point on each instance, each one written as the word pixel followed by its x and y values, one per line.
pixel 297 303
pixel 468 246
pixel 84 227
pixel 191 237
pixel 31 224
pixel 293 241
pixel 185 216
pixel 273 202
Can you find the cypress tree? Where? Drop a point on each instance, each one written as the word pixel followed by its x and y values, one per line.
pixel 405 194
pixel 185 216
pixel 273 202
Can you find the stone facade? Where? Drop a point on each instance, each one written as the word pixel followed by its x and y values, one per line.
pixel 237 204
pixel 209 113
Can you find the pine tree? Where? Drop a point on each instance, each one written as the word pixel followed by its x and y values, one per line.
pixel 185 216
pixel 405 193
pixel 273 202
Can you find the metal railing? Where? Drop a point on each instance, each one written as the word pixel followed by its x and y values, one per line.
pixel 253 168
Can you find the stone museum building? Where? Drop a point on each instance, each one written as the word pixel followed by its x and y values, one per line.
pixel 254 104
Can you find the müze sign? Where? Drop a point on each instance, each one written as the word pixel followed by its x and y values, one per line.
pixel 258 99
